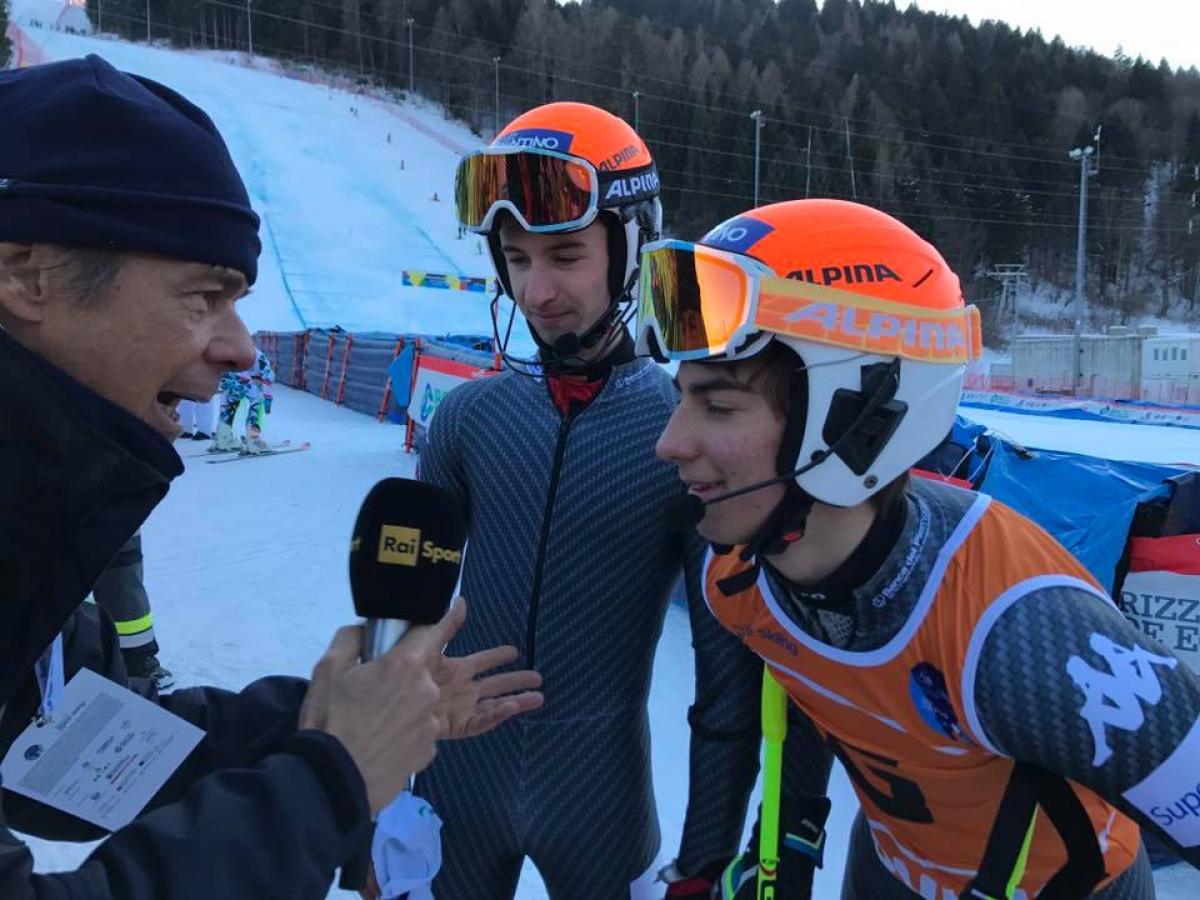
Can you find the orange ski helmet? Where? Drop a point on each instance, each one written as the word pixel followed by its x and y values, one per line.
pixel 628 180
pixel 851 248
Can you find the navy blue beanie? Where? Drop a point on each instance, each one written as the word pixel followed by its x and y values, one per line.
pixel 93 157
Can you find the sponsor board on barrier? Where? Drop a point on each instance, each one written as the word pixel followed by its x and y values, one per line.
pixel 1185 417
pixel 1014 400
pixel 447 282
pixel 436 377
pixel 1161 593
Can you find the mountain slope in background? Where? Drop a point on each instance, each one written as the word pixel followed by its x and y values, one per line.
pixel 352 190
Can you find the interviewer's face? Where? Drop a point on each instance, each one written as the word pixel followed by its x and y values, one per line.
pixel 163 331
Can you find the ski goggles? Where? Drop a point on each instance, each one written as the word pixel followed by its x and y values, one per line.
pixel 546 191
pixel 699 302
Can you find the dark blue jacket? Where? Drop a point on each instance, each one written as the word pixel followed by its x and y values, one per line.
pixel 258 809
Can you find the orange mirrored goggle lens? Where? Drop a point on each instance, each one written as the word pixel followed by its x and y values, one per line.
pixel 697 299
pixel 548 192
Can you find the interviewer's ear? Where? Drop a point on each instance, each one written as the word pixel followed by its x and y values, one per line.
pixel 22 285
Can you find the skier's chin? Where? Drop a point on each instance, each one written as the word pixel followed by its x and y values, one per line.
pixel 718 529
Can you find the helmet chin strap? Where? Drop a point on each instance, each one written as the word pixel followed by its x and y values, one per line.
pixel 571 345
pixel 565 354
pixel 783 527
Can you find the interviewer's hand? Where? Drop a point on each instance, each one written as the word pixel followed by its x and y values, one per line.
pixel 384 712
pixel 471 705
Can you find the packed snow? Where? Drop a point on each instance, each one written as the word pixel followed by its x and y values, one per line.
pixel 246 563
pixel 1111 440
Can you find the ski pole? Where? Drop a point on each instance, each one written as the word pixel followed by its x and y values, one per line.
pixel 774 729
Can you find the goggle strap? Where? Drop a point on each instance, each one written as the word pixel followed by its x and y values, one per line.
pixel 867 324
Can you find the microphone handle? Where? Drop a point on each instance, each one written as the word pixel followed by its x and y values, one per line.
pixel 380 636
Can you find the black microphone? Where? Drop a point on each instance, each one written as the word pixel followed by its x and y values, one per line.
pixel 686 511
pixel 570 345
pixel 567 345
pixel 405 556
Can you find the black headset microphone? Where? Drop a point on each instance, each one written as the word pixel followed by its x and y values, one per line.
pixel 405 556
pixel 686 512
pixel 572 345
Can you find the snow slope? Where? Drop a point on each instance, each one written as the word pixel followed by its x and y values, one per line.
pixel 246 568
pixel 344 184
pixel 50 14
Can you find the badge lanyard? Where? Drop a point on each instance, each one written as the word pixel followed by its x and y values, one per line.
pixel 49 671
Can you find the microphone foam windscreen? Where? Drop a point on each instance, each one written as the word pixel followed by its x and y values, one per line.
pixel 684 513
pixel 567 345
pixel 406 551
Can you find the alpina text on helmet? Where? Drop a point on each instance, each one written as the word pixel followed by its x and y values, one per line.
pixel 633 186
pixel 854 273
pixel 848 323
pixel 617 158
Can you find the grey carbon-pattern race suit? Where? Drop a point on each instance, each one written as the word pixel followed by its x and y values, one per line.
pixel 1064 682
pixel 569 559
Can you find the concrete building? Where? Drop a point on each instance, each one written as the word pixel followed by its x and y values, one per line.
pixel 1171 369
pixel 1109 365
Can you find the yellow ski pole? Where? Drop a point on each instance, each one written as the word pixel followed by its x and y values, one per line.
pixel 774 729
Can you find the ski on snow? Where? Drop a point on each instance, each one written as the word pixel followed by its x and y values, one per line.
pixel 209 454
pixel 277 450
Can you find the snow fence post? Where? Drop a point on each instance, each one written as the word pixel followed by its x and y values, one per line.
pixel 328 365
pixel 341 391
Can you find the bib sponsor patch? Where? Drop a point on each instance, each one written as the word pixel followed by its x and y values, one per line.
pixel 1170 795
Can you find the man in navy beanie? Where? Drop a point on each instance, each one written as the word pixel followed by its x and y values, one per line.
pixel 126 239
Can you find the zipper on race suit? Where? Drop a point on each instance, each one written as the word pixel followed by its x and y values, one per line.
pixel 535 597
